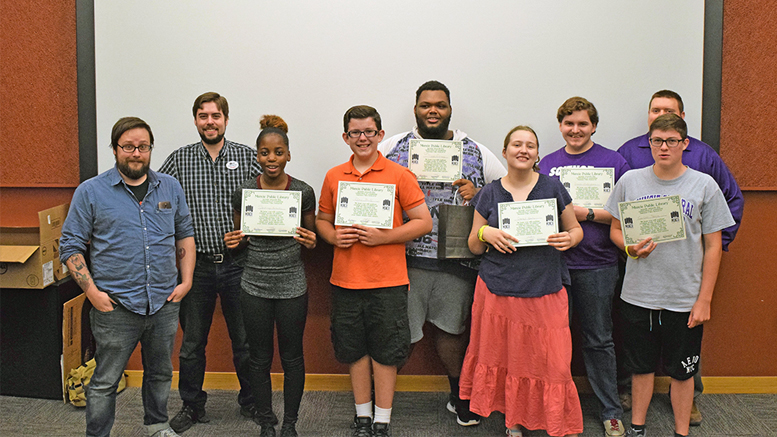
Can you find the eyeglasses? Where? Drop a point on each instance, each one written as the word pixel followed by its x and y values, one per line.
pixel 670 142
pixel 369 133
pixel 129 148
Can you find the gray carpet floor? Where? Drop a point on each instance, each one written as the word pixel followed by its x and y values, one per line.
pixel 414 414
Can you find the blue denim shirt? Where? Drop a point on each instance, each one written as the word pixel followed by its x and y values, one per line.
pixel 132 244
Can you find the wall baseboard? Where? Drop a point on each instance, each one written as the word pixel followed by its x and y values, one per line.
pixel 432 383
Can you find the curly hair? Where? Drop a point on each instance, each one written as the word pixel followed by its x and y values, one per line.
pixel 269 120
pixel 273 125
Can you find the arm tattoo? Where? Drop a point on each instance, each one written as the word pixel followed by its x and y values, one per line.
pixel 79 272
pixel 181 253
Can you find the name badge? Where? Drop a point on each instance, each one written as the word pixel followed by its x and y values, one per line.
pixel 232 165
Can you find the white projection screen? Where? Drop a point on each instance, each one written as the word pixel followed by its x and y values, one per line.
pixel 505 62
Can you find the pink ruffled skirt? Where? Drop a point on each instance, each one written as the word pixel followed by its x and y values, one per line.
pixel 518 362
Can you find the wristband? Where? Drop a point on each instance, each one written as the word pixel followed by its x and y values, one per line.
pixel 480 233
pixel 629 255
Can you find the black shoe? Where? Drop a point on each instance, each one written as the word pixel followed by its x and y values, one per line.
pixel 187 417
pixel 248 411
pixel 263 420
pixel 361 426
pixel 267 431
pixel 464 416
pixel 288 430
pixel 380 429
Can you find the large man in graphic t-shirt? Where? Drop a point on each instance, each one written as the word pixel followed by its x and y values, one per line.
pixel 441 290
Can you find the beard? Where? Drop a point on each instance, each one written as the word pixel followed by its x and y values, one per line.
pixel 433 133
pixel 131 173
pixel 211 141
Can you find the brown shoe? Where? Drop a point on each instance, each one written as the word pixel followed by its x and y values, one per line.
pixel 625 399
pixel 695 415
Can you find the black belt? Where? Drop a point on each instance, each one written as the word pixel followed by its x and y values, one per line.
pixel 215 258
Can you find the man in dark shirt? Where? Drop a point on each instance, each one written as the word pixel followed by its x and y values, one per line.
pixel 209 172
pixel 136 220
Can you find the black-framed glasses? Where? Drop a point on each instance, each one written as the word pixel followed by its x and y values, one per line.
pixel 129 148
pixel 369 133
pixel 670 142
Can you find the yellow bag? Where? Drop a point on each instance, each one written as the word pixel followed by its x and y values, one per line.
pixel 79 378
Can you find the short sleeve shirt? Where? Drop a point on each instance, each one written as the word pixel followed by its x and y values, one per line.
pixel 365 267
pixel 532 271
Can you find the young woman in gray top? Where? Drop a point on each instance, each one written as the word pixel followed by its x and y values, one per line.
pixel 274 284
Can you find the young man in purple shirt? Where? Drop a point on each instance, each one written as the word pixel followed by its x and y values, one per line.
pixel 698 156
pixel 593 264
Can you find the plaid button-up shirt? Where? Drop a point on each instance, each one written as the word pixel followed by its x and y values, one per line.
pixel 209 185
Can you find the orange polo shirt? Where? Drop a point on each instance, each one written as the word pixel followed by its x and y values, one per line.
pixel 360 266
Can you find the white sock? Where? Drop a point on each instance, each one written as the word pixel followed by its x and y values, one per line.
pixel 364 410
pixel 382 415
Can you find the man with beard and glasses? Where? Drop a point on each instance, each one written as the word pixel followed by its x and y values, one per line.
pixel 210 171
pixel 441 291
pixel 136 221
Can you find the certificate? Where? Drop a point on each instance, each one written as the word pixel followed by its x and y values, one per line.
pixel 435 160
pixel 271 212
pixel 661 219
pixel 366 204
pixel 531 221
pixel 589 187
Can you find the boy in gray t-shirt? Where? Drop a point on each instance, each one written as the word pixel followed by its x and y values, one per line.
pixel 668 288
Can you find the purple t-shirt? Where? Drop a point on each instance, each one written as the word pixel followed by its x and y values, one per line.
pixel 532 271
pixel 700 157
pixel 596 250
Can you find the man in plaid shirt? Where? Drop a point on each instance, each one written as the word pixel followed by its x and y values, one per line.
pixel 209 172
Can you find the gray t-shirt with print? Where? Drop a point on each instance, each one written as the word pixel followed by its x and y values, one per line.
pixel 670 277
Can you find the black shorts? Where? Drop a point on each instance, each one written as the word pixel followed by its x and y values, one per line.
pixel 370 322
pixel 651 336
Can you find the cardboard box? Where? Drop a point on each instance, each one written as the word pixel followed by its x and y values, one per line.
pixel 72 350
pixel 29 256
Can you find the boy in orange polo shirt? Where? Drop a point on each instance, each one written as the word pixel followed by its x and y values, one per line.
pixel 369 275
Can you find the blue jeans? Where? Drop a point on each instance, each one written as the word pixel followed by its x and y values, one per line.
pixel 591 295
pixel 211 280
pixel 117 333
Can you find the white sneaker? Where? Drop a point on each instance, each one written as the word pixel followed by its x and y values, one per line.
pixel 514 432
pixel 167 432
pixel 614 427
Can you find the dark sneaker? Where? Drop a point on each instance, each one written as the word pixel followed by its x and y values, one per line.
pixel 288 430
pixel 264 421
pixel 187 417
pixel 267 431
pixel 634 433
pixel 361 426
pixel 464 416
pixel 248 411
pixel 380 429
